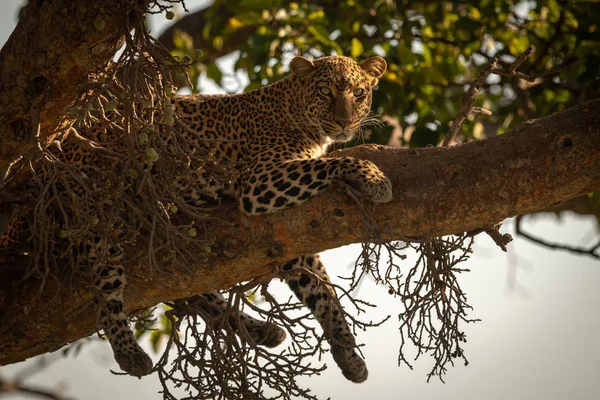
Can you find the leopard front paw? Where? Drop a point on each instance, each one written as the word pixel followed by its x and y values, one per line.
pixel 377 190
pixel 380 191
pixel 369 180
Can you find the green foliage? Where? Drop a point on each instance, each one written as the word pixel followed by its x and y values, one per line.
pixel 158 329
pixel 432 48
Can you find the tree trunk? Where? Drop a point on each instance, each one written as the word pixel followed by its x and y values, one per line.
pixel 47 61
pixel 437 191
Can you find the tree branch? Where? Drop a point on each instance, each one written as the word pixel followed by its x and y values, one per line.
pixel 19 388
pixel 437 191
pixel 193 25
pixel 592 251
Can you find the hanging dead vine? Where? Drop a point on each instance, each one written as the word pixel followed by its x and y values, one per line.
pixel 211 355
pixel 109 174
pixel 435 308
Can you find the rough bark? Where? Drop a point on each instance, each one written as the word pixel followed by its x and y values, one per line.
pixel 437 191
pixel 45 64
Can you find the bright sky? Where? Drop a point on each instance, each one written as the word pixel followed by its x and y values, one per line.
pixel 538 341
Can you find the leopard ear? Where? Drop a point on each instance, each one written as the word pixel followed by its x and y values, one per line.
pixel 374 66
pixel 301 67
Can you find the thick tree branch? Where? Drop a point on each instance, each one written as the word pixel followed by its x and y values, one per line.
pixel 437 191
pixel 194 23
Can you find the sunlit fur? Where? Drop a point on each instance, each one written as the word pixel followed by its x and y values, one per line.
pixel 342 77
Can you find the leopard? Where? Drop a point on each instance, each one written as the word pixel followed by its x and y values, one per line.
pixel 277 138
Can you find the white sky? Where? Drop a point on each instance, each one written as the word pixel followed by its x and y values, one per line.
pixel 539 341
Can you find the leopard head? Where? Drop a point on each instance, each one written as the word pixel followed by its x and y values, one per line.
pixel 336 92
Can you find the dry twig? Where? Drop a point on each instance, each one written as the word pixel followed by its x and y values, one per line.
pixel 20 388
pixel 435 305
pixel 592 251
pixel 467 102
pixel 512 69
pixel 494 232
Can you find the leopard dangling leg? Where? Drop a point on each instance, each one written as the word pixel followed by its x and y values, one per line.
pixel 109 282
pixel 261 332
pixel 12 227
pixel 320 298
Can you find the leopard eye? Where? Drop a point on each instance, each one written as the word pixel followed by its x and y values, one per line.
pixel 358 92
pixel 325 90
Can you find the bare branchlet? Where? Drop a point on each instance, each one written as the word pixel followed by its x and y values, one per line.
pixel 213 359
pixel 511 71
pixel 591 251
pixel 18 385
pixel 493 232
pixel 434 307
pixel 467 101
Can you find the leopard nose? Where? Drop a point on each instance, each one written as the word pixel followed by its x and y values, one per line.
pixel 343 123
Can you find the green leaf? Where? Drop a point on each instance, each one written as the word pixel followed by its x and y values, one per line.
pixel 235 23
pixel 426 55
pixel 316 15
pixel 166 325
pixel 357 49
pixel 213 72
pixel 320 33
pixel 562 96
pixel 518 45
pixel 183 41
pixel 155 339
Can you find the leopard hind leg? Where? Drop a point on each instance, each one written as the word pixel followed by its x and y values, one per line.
pixel 12 227
pixel 321 298
pixel 261 332
pixel 110 281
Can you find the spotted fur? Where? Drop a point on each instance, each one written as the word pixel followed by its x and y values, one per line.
pixel 277 138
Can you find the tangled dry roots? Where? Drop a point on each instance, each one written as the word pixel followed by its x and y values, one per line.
pixel 434 307
pixel 122 188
